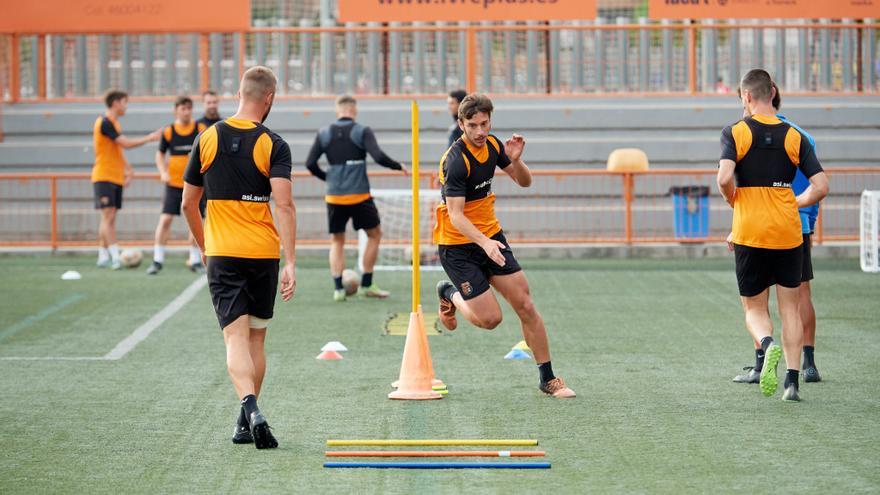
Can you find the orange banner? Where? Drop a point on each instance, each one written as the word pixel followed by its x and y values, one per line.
pixel 125 16
pixel 465 10
pixel 763 9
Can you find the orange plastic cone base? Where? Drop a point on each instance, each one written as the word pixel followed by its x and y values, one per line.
pixel 415 369
pixel 329 355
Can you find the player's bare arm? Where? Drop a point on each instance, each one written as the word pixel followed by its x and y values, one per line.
pixel 162 166
pixel 455 207
pixel 192 195
pixel 517 170
pixel 725 180
pixel 128 143
pixel 816 192
pixel 285 214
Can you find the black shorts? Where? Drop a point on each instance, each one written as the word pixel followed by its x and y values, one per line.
pixel 174 198
pixel 242 286
pixel 469 268
pixel 757 268
pixel 807 271
pixel 107 195
pixel 363 215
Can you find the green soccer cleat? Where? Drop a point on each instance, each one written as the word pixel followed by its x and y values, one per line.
pixel 791 394
pixel 339 295
pixel 373 291
pixel 116 265
pixel 103 264
pixel 769 381
pixel 750 376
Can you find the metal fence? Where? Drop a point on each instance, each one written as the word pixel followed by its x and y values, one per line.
pixel 598 57
pixel 561 207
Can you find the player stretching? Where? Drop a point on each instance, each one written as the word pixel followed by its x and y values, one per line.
pixel 112 172
pixel 759 157
pixel 808 216
pixel 472 247
pixel 346 144
pixel 177 140
pixel 239 164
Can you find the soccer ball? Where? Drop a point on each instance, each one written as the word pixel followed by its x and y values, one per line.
pixel 131 258
pixel 350 281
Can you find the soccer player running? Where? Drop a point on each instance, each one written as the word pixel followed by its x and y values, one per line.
pixel 239 164
pixel 177 140
pixel 472 247
pixel 759 158
pixel 808 215
pixel 111 172
pixel 211 102
pixel 452 102
pixel 346 144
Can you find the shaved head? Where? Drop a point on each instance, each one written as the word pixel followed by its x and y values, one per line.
pixel 257 83
pixel 757 82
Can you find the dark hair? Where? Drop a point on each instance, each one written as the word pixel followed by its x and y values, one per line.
pixel 114 95
pixel 209 92
pixel 758 83
pixel 182 100
pixel 777 98
pixel 458 94
pixel 473 104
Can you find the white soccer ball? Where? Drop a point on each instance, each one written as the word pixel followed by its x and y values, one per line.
pixel 350 281
pixel 131 258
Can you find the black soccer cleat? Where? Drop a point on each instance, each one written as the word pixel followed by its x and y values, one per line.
pixel 154 268
pixel 263 438
pixel 446 311
pixel 791 393
pixel 242 434
pixel 811 374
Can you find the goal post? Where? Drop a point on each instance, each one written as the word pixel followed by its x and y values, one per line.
pixel 869 232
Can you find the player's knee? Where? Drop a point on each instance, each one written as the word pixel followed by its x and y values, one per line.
pixel 490 322
pixel 375 233
pixel 526 308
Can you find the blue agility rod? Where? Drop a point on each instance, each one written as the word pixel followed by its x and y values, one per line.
pixel 439 465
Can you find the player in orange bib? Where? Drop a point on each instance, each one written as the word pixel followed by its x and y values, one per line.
pixel 472 247
pixel 760 156
pixel 177 141
pixel 112 172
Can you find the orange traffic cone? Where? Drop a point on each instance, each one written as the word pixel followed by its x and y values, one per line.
pixel 436 383
pixel 416 368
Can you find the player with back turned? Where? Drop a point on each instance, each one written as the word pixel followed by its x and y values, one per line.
pixel 759 157
pixel 239 164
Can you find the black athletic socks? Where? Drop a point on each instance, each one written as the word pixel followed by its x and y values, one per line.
pixel 791 378
pixel 449 292
pixel 367 279
pixel 546 370
pixel 337 281
pixel 809 360
pixel 759 359
pixel 249 405
pixel 765 343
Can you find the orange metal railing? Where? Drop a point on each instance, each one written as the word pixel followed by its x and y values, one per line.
pixel 55 210
pixel 556 59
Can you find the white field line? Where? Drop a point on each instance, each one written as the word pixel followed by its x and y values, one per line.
pixel 137 336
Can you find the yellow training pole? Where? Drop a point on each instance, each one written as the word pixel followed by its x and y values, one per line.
pixel 416 256
pixel 425 443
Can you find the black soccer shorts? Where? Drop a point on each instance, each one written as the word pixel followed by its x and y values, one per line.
pixel 469 268
pixel 107 195
pixel 758 268
pixel 363 215
pixel 242 286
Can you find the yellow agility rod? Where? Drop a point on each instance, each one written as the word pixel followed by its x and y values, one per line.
pixel 416 255
pixel 426 443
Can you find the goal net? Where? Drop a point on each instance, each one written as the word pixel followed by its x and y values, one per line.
pixel 869 221
pixel 395 210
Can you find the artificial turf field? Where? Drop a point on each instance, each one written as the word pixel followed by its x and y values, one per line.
pixel 649 346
